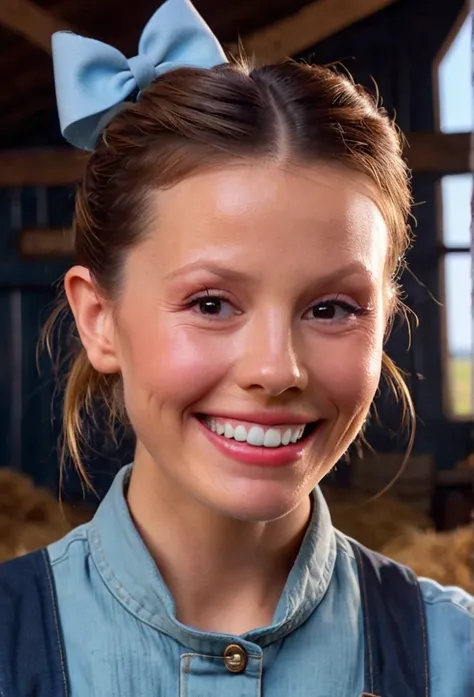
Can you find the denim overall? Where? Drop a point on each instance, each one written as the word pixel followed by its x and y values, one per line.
pixel 33 661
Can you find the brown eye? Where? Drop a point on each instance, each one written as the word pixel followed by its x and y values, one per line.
pixel 212 306
pixel 333 310
pixel 324 311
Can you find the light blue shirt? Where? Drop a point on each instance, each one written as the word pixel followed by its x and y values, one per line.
pixel 122 638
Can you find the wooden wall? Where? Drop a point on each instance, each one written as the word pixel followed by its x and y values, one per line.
pixel 27 438
pixel 30 389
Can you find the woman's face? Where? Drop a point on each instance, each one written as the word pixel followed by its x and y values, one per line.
pixel 252 317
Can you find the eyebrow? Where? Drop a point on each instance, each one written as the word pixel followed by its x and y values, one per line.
pixel 210 267
pixel 352 269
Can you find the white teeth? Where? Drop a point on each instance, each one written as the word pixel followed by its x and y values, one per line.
pixel 272 438
pixel 256 435
pixel 240 433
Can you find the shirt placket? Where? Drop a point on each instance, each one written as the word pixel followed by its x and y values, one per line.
pixel 235 673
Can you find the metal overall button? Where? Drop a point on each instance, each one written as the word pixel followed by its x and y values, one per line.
pixel 235 658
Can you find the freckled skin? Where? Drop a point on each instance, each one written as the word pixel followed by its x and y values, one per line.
pixel 285 231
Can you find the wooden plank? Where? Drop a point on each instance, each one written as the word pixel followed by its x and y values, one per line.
pixel 49 167
pixel 31 273
pixel 34 23
pixel 46 242
pixel 305 28
pixel 414 484
pixel 440 153
pixel 437 153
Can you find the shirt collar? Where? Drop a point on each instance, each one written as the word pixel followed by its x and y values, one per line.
pixel 130 573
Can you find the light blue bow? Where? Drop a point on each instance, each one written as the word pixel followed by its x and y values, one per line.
pixel 93 79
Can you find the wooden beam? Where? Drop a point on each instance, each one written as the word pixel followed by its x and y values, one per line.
pixel 440 153
pixel 311 24
pixel 51 167
pixel 31 21
pixel 437 153
pixel 50 243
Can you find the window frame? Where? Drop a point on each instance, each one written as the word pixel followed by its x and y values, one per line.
pixel 443 250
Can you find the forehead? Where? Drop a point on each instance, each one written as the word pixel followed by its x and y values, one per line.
pixel 256 215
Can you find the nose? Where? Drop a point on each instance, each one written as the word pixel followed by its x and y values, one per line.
pixel 270 360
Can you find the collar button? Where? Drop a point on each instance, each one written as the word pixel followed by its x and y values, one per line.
pixel 235 658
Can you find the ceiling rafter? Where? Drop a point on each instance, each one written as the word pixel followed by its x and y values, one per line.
pixel 311 24
pixel 31 21
pixel 286 37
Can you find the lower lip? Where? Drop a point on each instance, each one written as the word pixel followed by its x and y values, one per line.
pixel 254 455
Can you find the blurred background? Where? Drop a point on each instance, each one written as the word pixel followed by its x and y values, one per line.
pixel 417 54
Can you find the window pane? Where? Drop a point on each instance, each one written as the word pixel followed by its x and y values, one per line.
pixel 456 191
pixel 459 331
pixel 456 107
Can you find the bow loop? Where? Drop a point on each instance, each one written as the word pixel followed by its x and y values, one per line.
pixel 94 80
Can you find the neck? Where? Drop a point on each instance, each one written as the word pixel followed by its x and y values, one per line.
pixel 225 575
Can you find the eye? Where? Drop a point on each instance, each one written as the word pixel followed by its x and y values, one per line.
pixel 333 311
pixel 213 306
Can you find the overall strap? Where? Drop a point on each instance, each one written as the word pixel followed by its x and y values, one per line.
pixel 396 649
pixel 32 659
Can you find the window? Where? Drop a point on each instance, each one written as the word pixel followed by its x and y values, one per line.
pixel 456 196
pixel 456 104
pixel 456 115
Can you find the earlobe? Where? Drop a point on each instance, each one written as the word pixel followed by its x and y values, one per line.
pixel 94 320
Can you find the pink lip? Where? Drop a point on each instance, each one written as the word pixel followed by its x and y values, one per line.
pixel 251 455
pixel 265 418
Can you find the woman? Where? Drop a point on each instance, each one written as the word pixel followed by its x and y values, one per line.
pixel 239 234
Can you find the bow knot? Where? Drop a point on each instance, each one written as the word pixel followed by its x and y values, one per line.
pixel 93 79
pixel 142 70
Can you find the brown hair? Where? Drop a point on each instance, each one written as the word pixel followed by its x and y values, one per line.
pixel 192 119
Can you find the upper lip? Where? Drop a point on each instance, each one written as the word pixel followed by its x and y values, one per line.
pixel 266 418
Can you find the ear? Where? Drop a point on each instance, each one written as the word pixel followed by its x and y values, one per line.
pixel 94 320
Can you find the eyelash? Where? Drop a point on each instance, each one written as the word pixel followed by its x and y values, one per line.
pixel 352 310
pixel 344 305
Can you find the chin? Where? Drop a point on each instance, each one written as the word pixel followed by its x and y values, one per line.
pixel 260 502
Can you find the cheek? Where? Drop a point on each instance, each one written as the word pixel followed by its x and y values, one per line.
pixel 350 371
pixel 169 366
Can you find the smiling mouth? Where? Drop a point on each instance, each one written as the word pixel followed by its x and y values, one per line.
pixel 259 436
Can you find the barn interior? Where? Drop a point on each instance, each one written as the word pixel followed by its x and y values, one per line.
pixel 417 55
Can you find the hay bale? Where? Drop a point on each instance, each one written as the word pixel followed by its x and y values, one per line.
pixel 405 535
pixel 446 557
pixel 30 517
pixel 414 485
pixel 373 523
